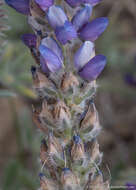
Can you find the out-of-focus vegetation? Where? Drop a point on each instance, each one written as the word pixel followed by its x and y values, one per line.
pixel 116 99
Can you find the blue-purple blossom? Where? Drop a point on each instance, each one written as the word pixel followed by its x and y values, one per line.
pixel 29 40
pixel 75 3
pixel 54 46
pixel 82 17
pixel 94 29
pixel 43 65
pixel 130 79
pixel 66 33
pixel 93 68
pixel 83 54
pixel 44 4
pixel 51 60
pixel 21 6
pixel 56 16
pixel 76 139
pixel 92 2
pixel 131 186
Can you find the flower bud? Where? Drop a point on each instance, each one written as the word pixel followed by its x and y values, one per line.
pixel 40 80
pixel 77 149
pixel 61 113
pixel 47 184
pixel 89 117
pixel 43 151
pixel 38 123
pixel 35 10
pixel 97 183
pixel 54 146
pixel 68 179
pixel 95 152
pixel 68 81
pixel 46 113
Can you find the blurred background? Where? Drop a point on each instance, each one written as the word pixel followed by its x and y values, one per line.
pixel 115 100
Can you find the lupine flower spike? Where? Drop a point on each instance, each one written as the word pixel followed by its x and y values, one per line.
pixel 64 79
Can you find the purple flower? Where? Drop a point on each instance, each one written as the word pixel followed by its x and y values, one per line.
pixel 53 45
pixel 29 40
pixel 64 29
pixel 65 33
pixel 93 68
pixel 21 6
pixel 92 2
pixel 130 79
pixel 44 4
pixel 43 65
pixel 75 3
pixel 131 186
pixel 51 60
pixel 56 16
pixel 82 17
pixel 84 54
pixel 94 29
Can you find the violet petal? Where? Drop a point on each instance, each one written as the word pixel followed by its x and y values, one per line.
pixel 56 16
pixel 44 67
pixel 94 29
pixel 66 33
pixel 21 6
pixel 92 2
pixel 93 68
pixel 74 3
pixel 131 186
pixel 82 17
pixel 83 54
pixel 130 79
pixel 51 59
pixel 44 4
pixel 53 45
pixel 29 40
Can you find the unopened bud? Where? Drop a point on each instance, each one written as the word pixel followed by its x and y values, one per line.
pixel 47 184
pixel 89 117
pixel 40 80
pixel 61 113
pixel 35 10
pixel 95 152
pixel 43 152
pixel 77 149
pixel 68 81
pixel 55 147
pixel 97 183
pixel 68 179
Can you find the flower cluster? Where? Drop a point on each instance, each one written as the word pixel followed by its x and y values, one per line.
pixel 66 30
pixel 63 48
